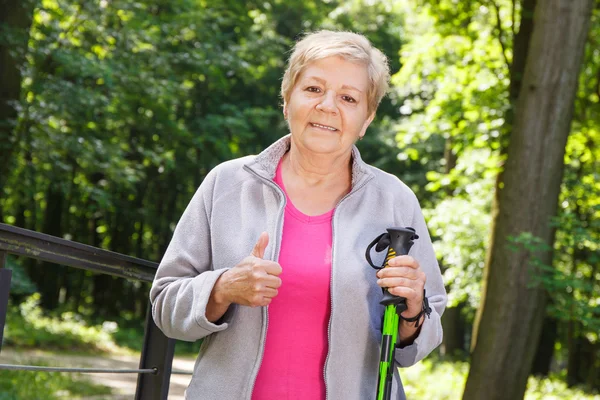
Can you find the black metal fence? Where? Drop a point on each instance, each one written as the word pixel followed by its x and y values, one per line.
pixel 156 359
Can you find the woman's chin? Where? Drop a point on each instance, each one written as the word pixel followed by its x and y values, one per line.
pixel 322 143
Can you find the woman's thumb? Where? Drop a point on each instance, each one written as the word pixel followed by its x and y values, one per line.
pixel 261 245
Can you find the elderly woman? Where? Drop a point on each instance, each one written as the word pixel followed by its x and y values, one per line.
pixel 267 262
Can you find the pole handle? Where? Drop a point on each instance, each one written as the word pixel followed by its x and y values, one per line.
pixel 398 241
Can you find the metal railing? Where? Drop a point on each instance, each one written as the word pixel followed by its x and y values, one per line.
pixel 156 359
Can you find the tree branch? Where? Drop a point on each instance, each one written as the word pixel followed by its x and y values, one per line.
pixel 513 11
pixel 501 33
pixel 598 82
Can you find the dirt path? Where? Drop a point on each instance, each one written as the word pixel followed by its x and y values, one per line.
pixel 123 385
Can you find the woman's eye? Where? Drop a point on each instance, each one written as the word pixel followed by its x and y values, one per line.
pixel 349 99
pixel 313 89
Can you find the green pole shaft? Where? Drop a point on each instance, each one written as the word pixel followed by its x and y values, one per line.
pixel 388 344
pixel 398 242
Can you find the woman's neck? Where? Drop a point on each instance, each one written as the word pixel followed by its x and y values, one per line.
pixel 315 184
pixel 318 170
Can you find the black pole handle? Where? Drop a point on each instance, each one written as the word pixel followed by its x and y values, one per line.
pixel 398 242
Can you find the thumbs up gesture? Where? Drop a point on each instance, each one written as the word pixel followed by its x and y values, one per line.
pixel 253 282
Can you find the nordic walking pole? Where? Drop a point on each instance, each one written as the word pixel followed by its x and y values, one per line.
pixel 398 241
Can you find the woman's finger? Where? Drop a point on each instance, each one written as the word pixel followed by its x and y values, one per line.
pixel 400 282
pixel 404 272
pixel 407 293
pixel 270 292
pixel 406 261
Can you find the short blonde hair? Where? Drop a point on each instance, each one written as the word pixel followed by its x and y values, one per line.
pixel 348 45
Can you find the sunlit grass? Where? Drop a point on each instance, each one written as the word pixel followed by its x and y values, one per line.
pixel 435 380
pixel 444 380
pixel 29 385
pixel 29 327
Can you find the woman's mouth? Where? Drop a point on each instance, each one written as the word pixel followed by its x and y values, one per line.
pixel 325 127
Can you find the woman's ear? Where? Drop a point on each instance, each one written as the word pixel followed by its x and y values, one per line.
pixel 285 113
pixel 366 125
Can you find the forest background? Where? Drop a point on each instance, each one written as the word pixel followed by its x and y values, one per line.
pixel 113 111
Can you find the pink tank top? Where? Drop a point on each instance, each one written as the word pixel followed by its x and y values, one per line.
pixel 297 339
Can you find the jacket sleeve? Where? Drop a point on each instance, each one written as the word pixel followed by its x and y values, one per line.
pixel 430 335
pixel 185 279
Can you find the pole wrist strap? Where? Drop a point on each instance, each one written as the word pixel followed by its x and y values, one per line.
pixel 424 310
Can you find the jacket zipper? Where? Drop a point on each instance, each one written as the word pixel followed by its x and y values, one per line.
pixel 331 280
pixel 276 254
pixel 275 257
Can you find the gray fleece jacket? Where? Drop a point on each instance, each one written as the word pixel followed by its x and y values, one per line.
pixel 235 203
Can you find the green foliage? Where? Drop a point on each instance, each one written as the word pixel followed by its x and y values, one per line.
pixel 27 326
pixel 451 91
pixel 20 283
pixel 434 379
pixel 574 294
pixel 448 380
pixel 453 94
pixel 128 104
pixel 130 335
pixel 26 385
pixel 577 249
pixel 555 389
pixel 460 224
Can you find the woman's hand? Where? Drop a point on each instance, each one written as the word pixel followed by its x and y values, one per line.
pixel 403 277
pixel 253 282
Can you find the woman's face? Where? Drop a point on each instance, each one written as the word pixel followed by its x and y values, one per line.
pixel 327 109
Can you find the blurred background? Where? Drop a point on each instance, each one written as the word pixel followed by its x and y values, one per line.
pixel 113 111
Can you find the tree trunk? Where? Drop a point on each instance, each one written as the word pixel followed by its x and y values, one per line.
pixel 509 321
pixel 169 216
pixel 545 348
pixel 593 378
pixel 142 299
pixel 521 42
pixel 581 366
pixel 82 233
pixel 50 274
pixel 453 343
pixel 16 17
pixel 452 320
pixel 521 50
pixel 574 344
pixel 101 282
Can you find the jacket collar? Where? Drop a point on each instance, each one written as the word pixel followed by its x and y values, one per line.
pixel 265 163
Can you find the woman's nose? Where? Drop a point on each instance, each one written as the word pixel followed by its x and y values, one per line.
pixel 328 103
